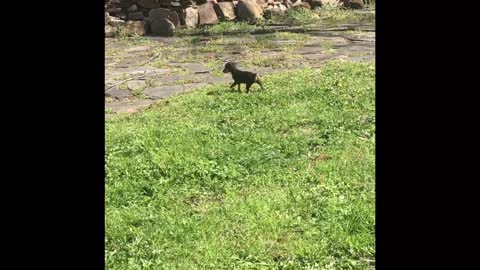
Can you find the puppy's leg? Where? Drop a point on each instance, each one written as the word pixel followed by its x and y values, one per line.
pixel 239 87
pixel 233 84
pixel 248 86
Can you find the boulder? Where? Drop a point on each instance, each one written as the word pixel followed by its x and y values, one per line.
pixel 249 10
pixel 133 8
pixel 300 4
pixel 158 13
pixel 148 3
pixel 226 11
pixel 163 13
pixel 207 15
pixel 315 3
pixel 114 9
pixel 136 16
pixel 110 31
pixel 136 28
pixel 173 17
pixel 107 18
pixel 355 4
pixel 125 3
pixel 191 17
pixel 115 22
pixel 163 27
pixel 262 3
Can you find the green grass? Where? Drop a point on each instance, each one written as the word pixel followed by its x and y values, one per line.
pixel 321 17
pixel 239 28
pixel 273 61
pixel 276 179
pixel 270 41
pixel 122 42
pixel 296 17
pixel 305 18
pixel 219 44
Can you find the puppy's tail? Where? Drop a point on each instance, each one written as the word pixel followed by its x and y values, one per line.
pixel 257 80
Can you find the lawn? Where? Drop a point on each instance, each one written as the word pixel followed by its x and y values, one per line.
pixel 276 179
pixel 314 19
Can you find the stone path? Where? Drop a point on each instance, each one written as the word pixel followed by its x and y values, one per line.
pixel 139 72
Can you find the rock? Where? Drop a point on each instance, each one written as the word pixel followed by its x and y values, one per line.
pixel 207 15
pixel 158 13
pixel 190 86
pixel 225 10
pixel 110 31
pixel 216 80
pixel 114 9
pixel 274 11
pixel 116 22
pixel 163 27
pixel 136 85
pixel 115 92
pixel 133 8
pixel 148 70
pixel 163 13
pixel 136 28
pixel 107 17
pixel 125 3
pixel 315 3
pixel 129 106
pixel 123 16
pixel 148 3
pixel 163 91
pixel 248 10
pixel 191 17
pixel 334 2
pixel 195 68
pixel 318 56
pixel 300 4
pixel 137 49
pixel 362 58
pixel 262 4
pixel 173 17
pixel 319 3
pixel 355 4
pixel 148 27
pixel 169 90
pixel 172 79
pixel 136 16
pixel 144 10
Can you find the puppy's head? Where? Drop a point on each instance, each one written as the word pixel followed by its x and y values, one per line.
pixel 229 67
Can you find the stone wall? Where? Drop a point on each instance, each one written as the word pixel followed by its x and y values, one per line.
pixel 161 17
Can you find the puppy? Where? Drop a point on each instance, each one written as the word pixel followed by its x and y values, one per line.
pixel 239 76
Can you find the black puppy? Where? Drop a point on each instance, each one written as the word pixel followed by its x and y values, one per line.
pixel 239 76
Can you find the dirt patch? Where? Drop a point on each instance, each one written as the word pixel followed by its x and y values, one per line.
pixel 168 66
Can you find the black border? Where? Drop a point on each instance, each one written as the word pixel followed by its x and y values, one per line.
pixel 420 170
pixel 56 208
pixel 56 199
